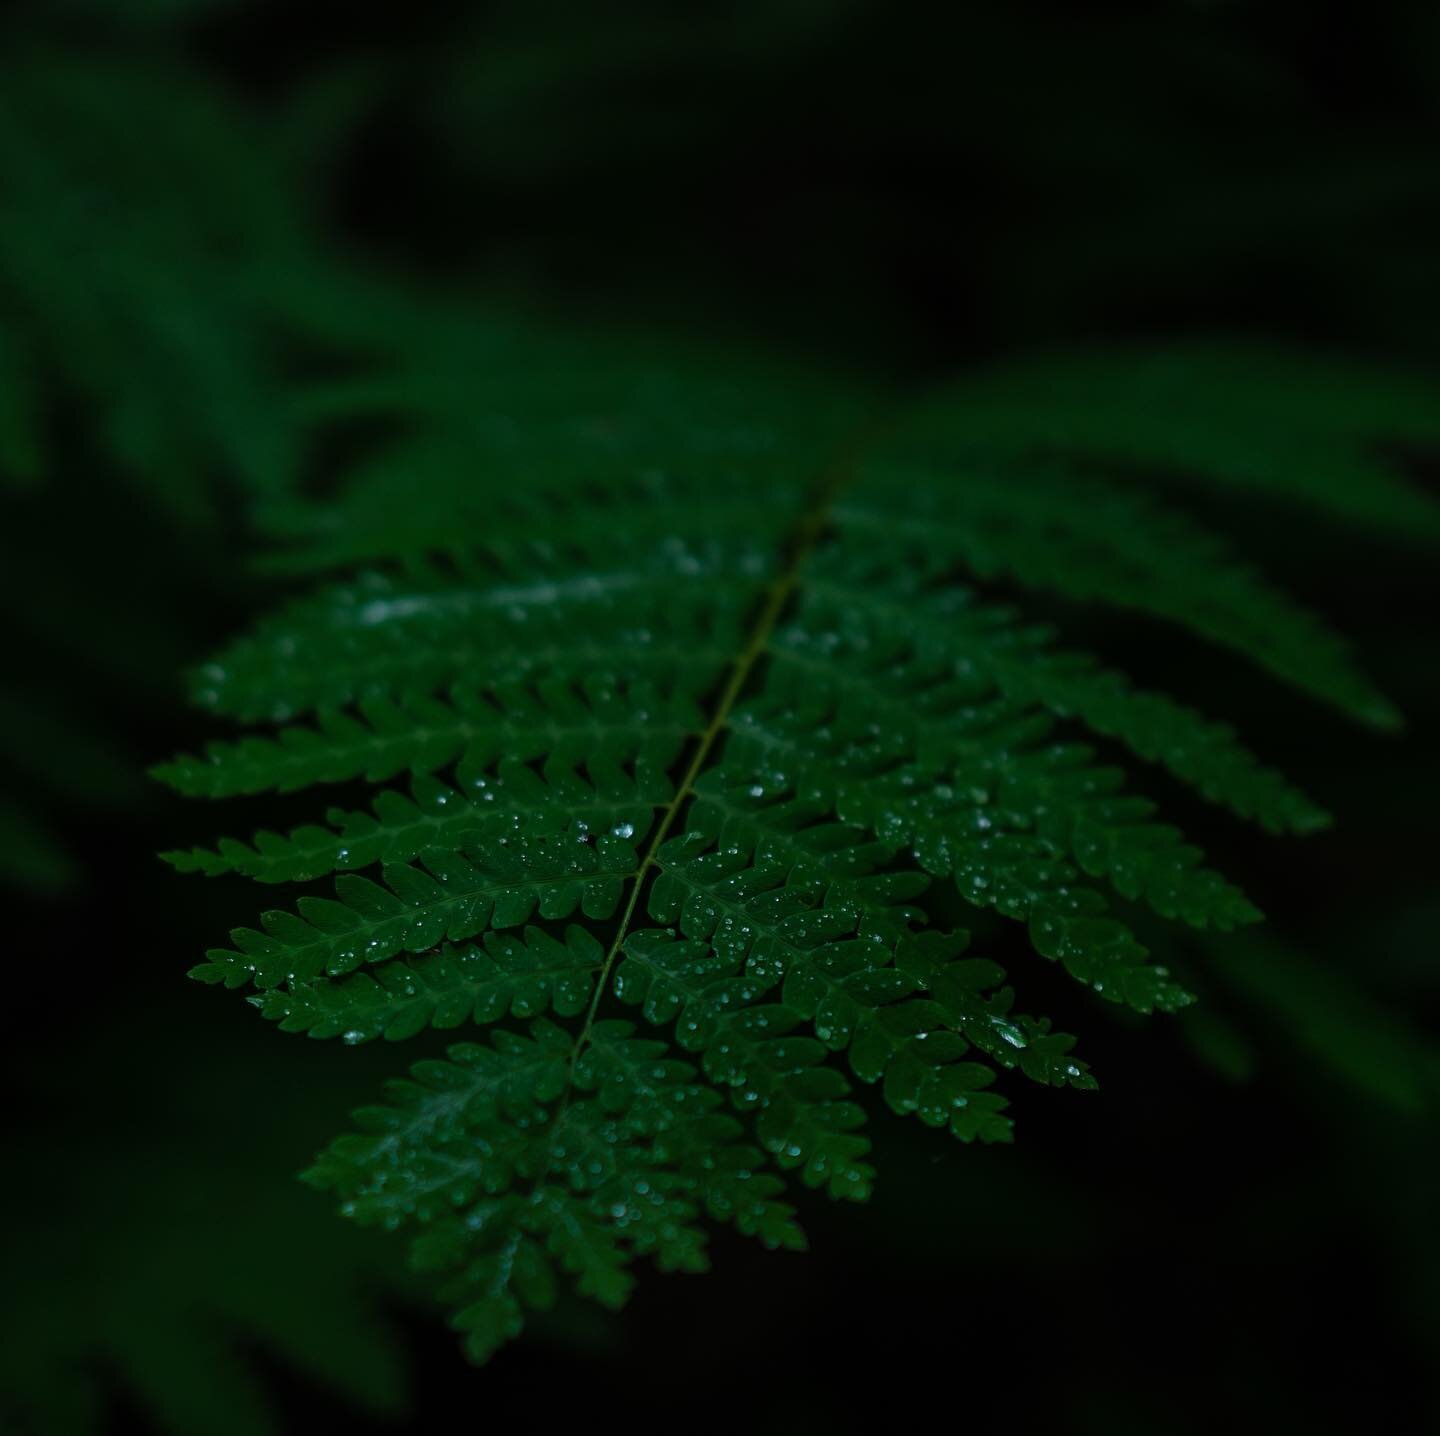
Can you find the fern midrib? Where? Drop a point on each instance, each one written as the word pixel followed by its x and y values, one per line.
pixel 801 544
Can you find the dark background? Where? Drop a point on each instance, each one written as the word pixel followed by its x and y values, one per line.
pixel 1241 1224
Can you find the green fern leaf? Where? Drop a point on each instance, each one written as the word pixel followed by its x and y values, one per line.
pixel 681 707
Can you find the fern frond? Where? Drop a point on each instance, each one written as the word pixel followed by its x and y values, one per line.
pixel 437 816
pixel 946 729
pixel 449 897
pixel 164 331
pixel 1302 428
pixel 579 1167
pixel 635 725
pixel 915 606
pixel 708 719
pixel 804 1115
pixel 1092 541
pixel 505 975
pixel 675 605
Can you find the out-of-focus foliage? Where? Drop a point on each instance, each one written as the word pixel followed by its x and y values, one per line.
pixel 1277 424
pixel 139 212
pixel 159 285
pixel 125 1276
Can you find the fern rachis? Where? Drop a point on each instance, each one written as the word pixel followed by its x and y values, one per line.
pixel 687 734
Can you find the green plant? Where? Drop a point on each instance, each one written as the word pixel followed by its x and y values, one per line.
pixel 702 691
pixel 160 275
pixel 135 1219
